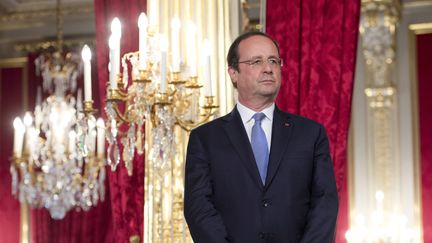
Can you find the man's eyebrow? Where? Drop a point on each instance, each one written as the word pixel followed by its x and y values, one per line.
pixel 261 57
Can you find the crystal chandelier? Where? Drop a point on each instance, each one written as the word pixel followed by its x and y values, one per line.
pixel 165 97
pixel 58 156
pixel 382 225
pixel 150 105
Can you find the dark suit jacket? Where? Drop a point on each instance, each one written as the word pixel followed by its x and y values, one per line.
pixel 225 200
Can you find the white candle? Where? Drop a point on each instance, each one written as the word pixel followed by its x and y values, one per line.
pixel 100 137
pixel 114 43
pixel 207 68
pixel 86 56
pixel 142 25
pixel 39 96
pixel 72 141
pixel 79 100
pixel 175 43
pixel 191 48
pixel 153 12
pixel 28 120
pixel 112 81
pixel 19 130
pixel 163 64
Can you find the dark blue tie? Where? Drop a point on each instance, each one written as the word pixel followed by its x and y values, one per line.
pixel 260 146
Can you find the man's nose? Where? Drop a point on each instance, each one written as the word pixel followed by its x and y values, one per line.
pixel 267 67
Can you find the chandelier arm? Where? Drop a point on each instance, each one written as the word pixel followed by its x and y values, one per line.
pixel 121 117
pixel 188 126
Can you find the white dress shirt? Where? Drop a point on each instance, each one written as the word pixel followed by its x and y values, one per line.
pixel 246 115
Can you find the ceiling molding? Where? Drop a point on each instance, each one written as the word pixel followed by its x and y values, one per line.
pixel 416 4
pixel 39 14
pixel 68 42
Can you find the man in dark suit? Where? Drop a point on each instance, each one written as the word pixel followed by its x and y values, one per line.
pixel 259 174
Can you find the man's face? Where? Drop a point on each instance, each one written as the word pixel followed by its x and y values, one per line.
pixel 258 79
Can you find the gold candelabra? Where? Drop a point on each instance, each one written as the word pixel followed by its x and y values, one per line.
pixel 148 105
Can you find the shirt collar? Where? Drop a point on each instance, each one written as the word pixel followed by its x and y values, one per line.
pixel 247 113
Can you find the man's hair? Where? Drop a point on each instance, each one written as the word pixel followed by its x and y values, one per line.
pixel 233 55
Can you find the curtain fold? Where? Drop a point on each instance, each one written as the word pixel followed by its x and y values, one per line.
pixel 127 192
pixel 318 40
pixel 424 72
pixel 11 105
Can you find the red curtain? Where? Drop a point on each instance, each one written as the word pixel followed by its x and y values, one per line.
pixel 318 41
pixel 424 72
pixel 127 192
pixel 11 106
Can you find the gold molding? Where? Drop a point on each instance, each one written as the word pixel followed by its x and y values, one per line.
pixel 13 62
pixel 27 15
pixel 33 46
pixel 417 4
pixel 422 28
pixel 416 29
pixel 21 62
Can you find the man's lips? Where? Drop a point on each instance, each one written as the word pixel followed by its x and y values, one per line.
pixel 267 81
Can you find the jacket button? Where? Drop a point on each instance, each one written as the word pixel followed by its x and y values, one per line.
pixel 261 235
pixel 265 203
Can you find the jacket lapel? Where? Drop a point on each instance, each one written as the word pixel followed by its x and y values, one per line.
pixel 238 137
pixel 281 134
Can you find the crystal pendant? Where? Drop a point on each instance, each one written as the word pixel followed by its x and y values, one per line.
pixel 113 158
pixel 14 175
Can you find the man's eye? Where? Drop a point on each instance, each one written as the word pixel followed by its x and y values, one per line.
pixel 273 61
pixel 257 62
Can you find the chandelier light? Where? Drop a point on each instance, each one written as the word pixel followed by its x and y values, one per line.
pixel 165 96
pixel 382 225
pixel 58 155
pixel 153 100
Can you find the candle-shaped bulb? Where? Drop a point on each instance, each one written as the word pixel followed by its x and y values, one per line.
pixel 114 45
pixel 142 20
pixel 207 68
pixel 86 53
pixel 100 123
pixel 19 131
pixel 18 125
pixel 79 100
pixel 175 43
pixel 86 56
pixel 39 96
pixel 191 48
pixel 163 63
pixel 116 27
pixel 28 119
pixel 72 141
pixel 142 25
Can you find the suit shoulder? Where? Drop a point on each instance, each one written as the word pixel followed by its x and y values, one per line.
pixel 215 123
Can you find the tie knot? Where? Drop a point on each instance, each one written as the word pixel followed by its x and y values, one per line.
pixel 258 117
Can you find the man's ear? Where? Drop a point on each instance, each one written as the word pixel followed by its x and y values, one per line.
pixel 233 75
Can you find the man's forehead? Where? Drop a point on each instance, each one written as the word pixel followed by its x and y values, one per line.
pixel 257 46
